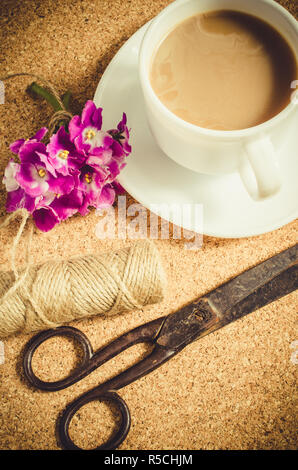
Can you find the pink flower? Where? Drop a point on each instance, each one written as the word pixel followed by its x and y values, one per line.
pixel 63 154
pixel 53 209
pixel 18 199
pixel 86 132
pixel 16 146
pixel 91 184
pixel 121 137
pixel 36 175
pixel 9 176
pixel 45 219
pixel 76 170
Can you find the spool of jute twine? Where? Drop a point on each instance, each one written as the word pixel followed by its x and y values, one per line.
pixel 58 292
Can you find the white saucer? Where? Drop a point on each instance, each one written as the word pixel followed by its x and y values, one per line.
pixel 153 178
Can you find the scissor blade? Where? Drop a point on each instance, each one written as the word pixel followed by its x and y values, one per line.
pixel 255 288
pixel 247 292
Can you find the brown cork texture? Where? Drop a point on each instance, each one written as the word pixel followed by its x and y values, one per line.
pixel 233 389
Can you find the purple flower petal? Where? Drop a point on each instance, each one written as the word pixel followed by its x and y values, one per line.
pixel 40 134
pixel 63 154
pixel 83 210
pixel 114 169
pixel 118 151
pixel 45 200
pixel 67 205
pixel 122 127
pixel 33 179
pixel 102 158
pixel 121 135
pixel 91 184
pixel 45 160
pixel 74 127
pixel 107 197
pixel 29 151
pixel 118 187
pixel 15 146
pixel 100 199
pixel 86 132
pixel 92 180
pixel 122 124
pixel 19 200
pixel 87 113
pixel 61 184
pixel 91 140
pixel 9 176
pixel 45 218
pixel 36 153
pixel 96 118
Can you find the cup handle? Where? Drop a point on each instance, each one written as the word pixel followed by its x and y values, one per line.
pixel 259 169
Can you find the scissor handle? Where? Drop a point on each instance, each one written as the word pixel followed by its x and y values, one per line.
pixel 40 338
pixel 106 391
pixel 91 360
pixel 115 440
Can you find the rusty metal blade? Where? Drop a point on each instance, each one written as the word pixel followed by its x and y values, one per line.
pixel 266 282
pixel 253 289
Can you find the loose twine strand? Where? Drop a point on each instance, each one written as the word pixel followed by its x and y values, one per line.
pixel 19 284
pixel 53 293
pixel 58 116
pixel 23 213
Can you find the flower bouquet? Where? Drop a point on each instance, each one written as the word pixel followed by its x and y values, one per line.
pixel 75 170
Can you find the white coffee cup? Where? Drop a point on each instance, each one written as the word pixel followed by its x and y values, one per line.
pixel 253 152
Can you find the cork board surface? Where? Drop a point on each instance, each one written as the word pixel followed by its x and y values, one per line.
pixel 234 389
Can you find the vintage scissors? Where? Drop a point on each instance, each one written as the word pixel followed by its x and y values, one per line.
pixel 241 295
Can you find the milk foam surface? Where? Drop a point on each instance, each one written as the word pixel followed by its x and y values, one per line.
pixel 224 70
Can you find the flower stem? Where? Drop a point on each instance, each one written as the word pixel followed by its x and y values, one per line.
pixel 37 90
pixel 66 99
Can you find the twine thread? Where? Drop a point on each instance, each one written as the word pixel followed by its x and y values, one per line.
pixel 58 116
pixel 59 292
